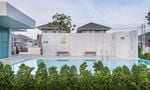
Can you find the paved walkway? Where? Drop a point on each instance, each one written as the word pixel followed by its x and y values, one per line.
pixel 19 58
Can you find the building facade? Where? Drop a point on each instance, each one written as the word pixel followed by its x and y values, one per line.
pixel 144 39
pixel 10 19
pixel 144 42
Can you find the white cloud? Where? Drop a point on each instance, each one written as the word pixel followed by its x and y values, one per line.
pixel 108 12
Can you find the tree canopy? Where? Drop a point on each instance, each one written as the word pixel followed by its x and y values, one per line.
pixel 148 17
pixel 68 78
pixel 63 21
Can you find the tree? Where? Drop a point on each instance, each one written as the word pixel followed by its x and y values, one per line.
pixel 6 77
pixel 140 77
pixel 52 82
pixel 64 83
pixel 146 56
pixel 9 76
pixel 98 66
pixel 85 78
pixel 140 54
pixel 73 76
pixel 41 77
pixel 63 22
pixel 102 77
pixel 148 17
pixel 24 79
pixel 120 79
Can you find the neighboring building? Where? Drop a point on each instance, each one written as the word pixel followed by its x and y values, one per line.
pixel 10 19
pixel 93 28
pixel 50 28
pixel 144 42
pixel 118 44
pixel 146 38
pixel 22 41
pixel 26 45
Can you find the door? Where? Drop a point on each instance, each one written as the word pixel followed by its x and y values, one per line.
pixel 4 42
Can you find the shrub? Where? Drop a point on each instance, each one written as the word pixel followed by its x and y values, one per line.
pixel 121 78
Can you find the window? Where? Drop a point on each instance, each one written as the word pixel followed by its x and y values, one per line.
pixel 122 38
pixel 45 42
pixel 45 31
pixel 54 31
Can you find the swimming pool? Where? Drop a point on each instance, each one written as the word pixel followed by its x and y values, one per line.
pixel 111 63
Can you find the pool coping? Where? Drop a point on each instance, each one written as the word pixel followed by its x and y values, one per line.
pixel 76 58
pixel 21 61
pixel 58 58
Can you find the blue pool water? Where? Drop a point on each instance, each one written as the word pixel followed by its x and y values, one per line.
pixel 111 63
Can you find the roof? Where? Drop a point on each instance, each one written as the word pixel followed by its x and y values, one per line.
pixel 48 27
pixel 93 26
pixel 13 18
pixel 22 37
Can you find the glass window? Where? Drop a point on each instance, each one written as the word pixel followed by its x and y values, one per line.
pixel 122 38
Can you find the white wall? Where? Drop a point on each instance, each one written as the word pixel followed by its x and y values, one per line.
pixel 32 51
pixel 104 44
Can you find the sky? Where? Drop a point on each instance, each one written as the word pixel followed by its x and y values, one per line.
pixel 117 14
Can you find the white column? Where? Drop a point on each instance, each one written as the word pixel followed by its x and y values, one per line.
pixel 9 46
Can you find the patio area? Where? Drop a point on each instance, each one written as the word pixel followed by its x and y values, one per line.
pixel 18 58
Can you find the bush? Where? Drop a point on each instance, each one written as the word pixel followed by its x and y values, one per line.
pixel 143 56
pixel 121 78
pixel 140 55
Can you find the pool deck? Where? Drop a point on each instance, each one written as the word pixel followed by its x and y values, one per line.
pixel 20 58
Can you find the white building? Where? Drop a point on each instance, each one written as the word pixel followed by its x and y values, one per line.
pixel 91 41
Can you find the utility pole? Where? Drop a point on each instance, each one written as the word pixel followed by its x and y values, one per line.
pixel 143 36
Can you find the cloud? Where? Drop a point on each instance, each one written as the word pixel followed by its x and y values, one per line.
pixel 114 13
